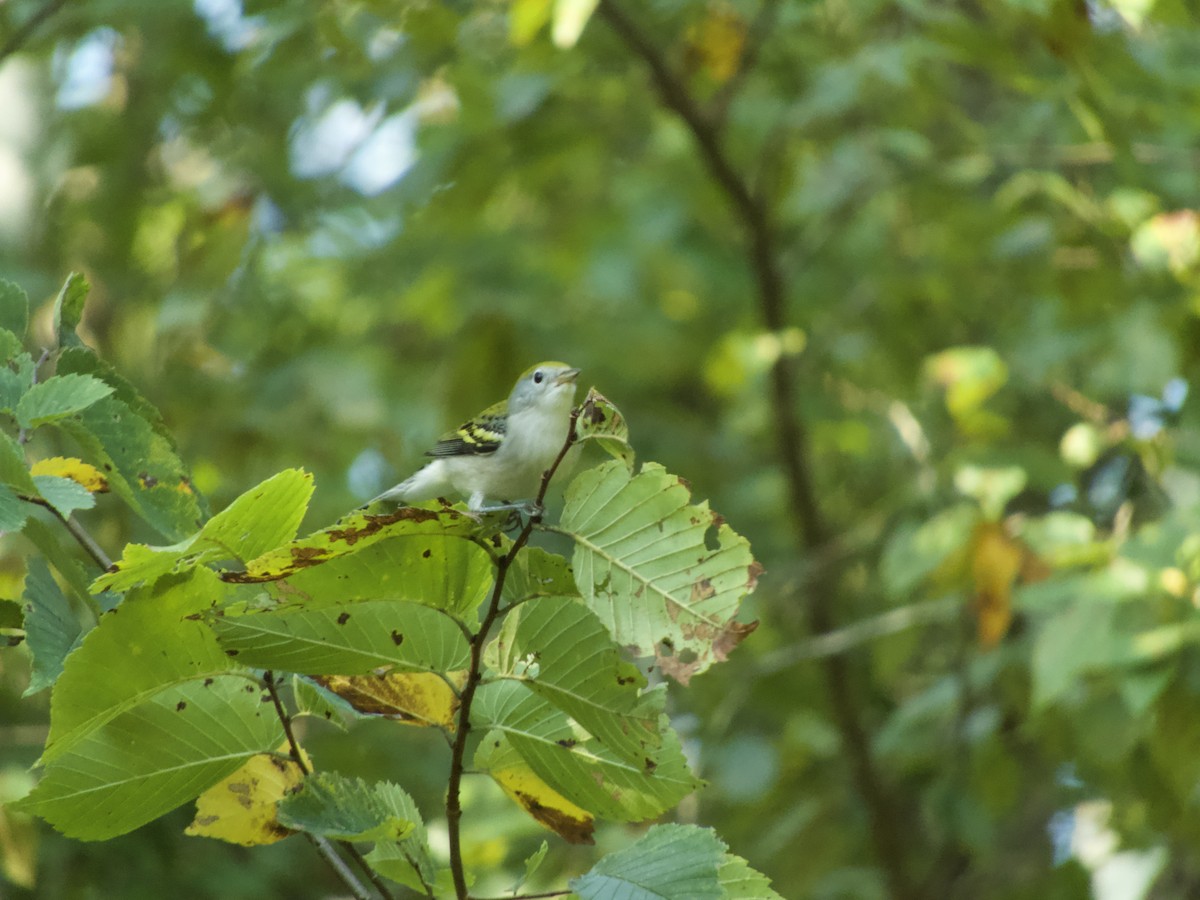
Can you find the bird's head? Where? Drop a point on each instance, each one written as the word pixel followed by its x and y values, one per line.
pixel 547 385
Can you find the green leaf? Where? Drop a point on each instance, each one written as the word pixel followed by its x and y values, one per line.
pixel 14 384
pixel 584 770
pixel 740 882
pixel 51 627
pixel 670 862
pixel 162 748
pixel 64 494
pixel 536 573
pixel 349 809
pixel 13 512
pixel 407 563
pixel 645 566
pixel 146 645
pixel 561 651
pixel 313 700
pixel 601 422
pixel 407 861
pixel 263 517
pixel 82 361
pixel 14 470
pixel 68 309
pixel 10 345
pixel 14 310
pixel 346 639
pixel 532 864
pixel 59 396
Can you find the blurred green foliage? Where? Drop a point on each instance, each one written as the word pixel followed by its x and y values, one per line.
pixel 318 234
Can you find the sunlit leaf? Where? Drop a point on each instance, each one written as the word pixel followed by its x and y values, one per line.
pixel 263 517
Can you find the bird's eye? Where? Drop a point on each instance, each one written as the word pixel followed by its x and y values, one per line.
pixel 538 377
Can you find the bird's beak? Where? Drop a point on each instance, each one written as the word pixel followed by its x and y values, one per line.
pixel 567 377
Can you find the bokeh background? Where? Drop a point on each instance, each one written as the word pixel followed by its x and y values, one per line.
pixel 318 234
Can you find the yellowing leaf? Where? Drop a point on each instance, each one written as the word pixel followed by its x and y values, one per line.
pixel 716 44
pixel 570 822
pixel 241 808
pixel 998 560
pixel 81 473
pixel 416 698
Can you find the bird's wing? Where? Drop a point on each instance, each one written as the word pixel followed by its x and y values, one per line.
pixel 482 434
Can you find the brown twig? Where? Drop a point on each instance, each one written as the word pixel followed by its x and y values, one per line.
pixel 813 530
pixel 458 750
pixel 17 39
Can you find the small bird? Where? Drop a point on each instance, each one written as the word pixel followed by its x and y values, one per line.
pixel 501 453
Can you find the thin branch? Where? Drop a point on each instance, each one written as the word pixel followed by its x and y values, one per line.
pixel 847 638
pixel 85 540
pixel 18 38
pixel 339 866
pixel 286 721
pixel 458 751
pixel 813 530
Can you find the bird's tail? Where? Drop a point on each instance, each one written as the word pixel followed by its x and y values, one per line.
pixel 424 484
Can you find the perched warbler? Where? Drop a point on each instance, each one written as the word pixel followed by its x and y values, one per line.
pixel 501 453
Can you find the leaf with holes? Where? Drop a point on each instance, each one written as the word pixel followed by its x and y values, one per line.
pixel 603 423
pixel 665 577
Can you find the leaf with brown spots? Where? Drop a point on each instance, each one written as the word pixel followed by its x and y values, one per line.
pixel 547 806
pixel 579 767
pixel 666 577
pixel 352 534
pixel 414 698
pixel 241 808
